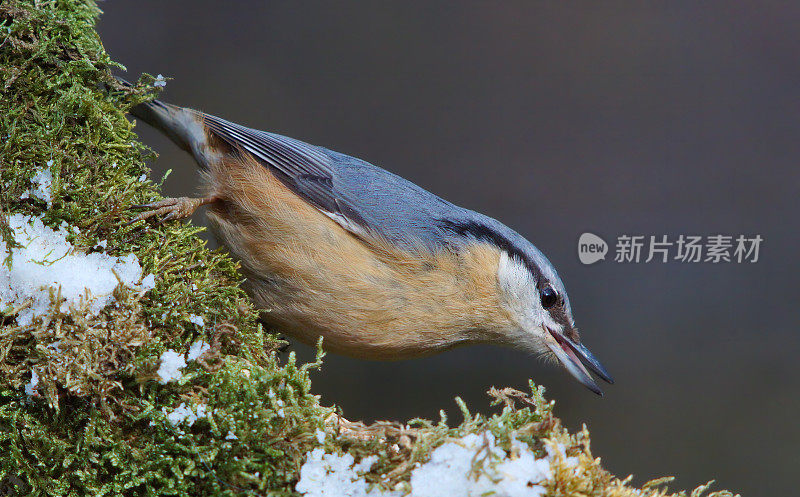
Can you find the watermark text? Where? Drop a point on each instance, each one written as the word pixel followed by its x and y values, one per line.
pixel 636 249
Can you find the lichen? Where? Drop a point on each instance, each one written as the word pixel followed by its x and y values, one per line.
pixel 96 420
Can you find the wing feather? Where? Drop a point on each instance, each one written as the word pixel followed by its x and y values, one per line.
pixel 305 168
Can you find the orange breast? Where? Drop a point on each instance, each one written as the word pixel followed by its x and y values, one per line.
pixel 366 298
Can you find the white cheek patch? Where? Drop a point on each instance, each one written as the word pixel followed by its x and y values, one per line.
pixel 512 275
pixel 521 296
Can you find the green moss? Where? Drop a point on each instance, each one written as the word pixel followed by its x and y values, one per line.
pixel 100 427
pixel 99 424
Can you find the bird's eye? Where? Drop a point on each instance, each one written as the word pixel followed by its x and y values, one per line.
pixel 549 297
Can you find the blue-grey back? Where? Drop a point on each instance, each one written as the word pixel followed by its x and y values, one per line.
pixel 398 209
pixel 361 196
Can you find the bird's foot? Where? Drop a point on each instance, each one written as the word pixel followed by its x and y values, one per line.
pixel 171 208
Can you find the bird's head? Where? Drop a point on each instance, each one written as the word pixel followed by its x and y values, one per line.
pixel 538 316
pixel 539 308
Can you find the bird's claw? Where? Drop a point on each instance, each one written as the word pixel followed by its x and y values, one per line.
pixel 174 208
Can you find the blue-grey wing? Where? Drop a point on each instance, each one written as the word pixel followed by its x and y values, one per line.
pixel 359 196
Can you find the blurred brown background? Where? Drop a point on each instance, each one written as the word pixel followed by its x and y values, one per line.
pixel 670 118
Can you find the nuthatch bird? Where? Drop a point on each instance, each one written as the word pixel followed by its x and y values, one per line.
pixel 334 247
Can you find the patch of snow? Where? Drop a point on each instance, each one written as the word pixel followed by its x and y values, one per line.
pixel 160 81
pixel 231 436
pixel 149 282
pixel 320 435
pixel 198 320
pixel 171 362
pixel 185 414
pixel 169 369
pixel 365 464
pixel 197 349
pixel 450 468
pixel 470 466
pixel 46 261
pixel 42 185
pixel 333 475
pixel 31 387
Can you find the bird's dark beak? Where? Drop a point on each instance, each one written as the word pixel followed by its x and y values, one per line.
pixel 574 356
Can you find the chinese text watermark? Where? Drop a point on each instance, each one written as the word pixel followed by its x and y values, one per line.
pixel 635 249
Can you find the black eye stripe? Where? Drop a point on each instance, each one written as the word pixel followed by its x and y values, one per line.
pixel 486 233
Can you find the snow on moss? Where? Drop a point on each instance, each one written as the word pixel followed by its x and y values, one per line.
pixel 170 365
pixel 473 465
pixel 32 386
pixel 197 349
pixel 333 475
pixel 171 362
pixel 185 414
pixel 42 185
pixel 46 262
pixel 196 319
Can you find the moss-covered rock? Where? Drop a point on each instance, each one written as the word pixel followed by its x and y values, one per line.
pixel 83 409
